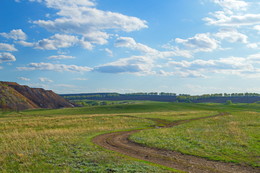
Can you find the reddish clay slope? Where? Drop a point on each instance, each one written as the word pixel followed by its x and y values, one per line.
pixel 11 99
pixel 13 93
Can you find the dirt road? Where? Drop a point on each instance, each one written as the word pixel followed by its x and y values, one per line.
pixel 119 142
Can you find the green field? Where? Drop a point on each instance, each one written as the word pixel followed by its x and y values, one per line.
pixel 60 140
pixel 233 138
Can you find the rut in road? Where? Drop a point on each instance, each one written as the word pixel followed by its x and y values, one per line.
pixel 119 142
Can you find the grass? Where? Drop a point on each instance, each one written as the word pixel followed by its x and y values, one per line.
pixel 60 140
pixel 143 107
pixel 233 138
pixel 62 144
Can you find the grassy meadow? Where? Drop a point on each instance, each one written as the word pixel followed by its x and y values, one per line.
pixel 232 138
pixel 60 140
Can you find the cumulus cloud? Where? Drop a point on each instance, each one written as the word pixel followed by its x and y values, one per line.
pixel 24 78
pixel 55 67
pixel 135 64
pixel 57 41
pixel 61 57
pixel 257 27
pixel 200 42
pixel 25 43
pixel 232 4
pixel 6 57
pixel 246 67
pixel 96 37
pixel 221 19
pixel 82 18
pixel 131 43
pixel 138 65
pixel 16 34
pixel 234 13
pixel 7 47
pixel 231 35
pixel 254 45
pixel 44 79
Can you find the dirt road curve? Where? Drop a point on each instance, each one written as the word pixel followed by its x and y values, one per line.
pixel 119 142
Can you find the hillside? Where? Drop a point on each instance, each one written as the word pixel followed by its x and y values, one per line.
pixel 20 97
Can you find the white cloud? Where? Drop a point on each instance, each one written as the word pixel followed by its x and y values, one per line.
pixel 255 58
pixel 25 43
pixel 200 42
pixel 81 17
pixel 84 20
pixel 109 52
pixel 44 79
pixel 58 4
pixel 257 27
pixel 96 37
pixel 66 86
pixel 61 57
pixel 246 67
pixel 81 79
pixel 140 65
pixel 16 34
pixel 24 78
pixel 183 74
pixel 221 19
pixel 55 67
pixel 253 45
pixel 232 4
pixel 131 43
pixel 7 47
pixel 57 41
pixel 231 35
pixel 6 57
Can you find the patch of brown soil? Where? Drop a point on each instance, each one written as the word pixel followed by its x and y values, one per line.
pixel 20 97
pixel 119 142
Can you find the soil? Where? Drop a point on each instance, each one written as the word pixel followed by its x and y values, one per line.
pixel 21 97
pixel 119 142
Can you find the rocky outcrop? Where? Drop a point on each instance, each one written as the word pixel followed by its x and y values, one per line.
pixel 20 97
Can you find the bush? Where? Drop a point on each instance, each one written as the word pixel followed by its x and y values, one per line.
pixel 229 102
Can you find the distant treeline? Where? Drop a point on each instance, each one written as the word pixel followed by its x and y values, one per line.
pixel 168 97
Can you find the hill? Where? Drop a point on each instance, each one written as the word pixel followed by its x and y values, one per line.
pixel 20 97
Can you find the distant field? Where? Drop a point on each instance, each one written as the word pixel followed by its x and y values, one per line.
pixel 60 140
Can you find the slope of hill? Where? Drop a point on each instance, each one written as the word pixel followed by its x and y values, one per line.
pixel 20 97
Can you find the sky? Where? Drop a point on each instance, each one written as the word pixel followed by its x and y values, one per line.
pixel 125 46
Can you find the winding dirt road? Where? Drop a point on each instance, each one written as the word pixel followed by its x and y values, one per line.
pixel 119 142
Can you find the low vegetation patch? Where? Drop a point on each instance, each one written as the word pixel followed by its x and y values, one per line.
pixel 59 140
pixel 232 138
pixel 62 144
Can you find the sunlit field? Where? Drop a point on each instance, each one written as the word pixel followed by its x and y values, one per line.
pixel 60 140
pixel 232 138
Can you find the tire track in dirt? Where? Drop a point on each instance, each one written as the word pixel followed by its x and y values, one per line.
pixel 119 142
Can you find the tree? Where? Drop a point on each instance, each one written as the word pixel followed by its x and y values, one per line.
pixel 229 102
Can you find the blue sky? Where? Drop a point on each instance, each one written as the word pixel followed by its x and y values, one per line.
pixel 187 46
